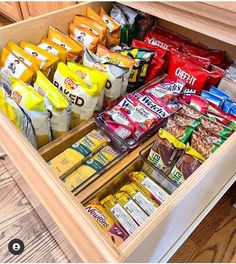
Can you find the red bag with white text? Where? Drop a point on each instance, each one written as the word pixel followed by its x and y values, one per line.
pixel 194 76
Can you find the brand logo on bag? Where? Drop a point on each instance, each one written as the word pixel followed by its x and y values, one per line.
pixel 190 79
pixel 98 215
pixel 68 81
pixel 158 43
pixel 81 74
pixel 98 66
pixel 41 91
pixel 16 97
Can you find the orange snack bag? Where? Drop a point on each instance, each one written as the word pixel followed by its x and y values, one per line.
pixel 113 37
pixel 74 48
pixel 92 25
pixel 85 36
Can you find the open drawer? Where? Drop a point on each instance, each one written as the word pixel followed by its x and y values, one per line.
pixel 165 230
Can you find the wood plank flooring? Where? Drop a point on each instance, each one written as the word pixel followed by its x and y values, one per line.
pixel 19 220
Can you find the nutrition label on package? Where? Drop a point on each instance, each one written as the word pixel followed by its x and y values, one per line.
pixel 125 220
pixel 143 202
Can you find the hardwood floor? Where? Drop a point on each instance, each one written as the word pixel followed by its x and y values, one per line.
pixel 214 240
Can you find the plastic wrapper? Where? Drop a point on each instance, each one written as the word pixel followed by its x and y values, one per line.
pixel 58 105
pixel 85 36
pixel 186 120
pixel 74 49
pixel 84 98
pixel 212 98
pixel 209 136
pixel 190 111
pixel 13 66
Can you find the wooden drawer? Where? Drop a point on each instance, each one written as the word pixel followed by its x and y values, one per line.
pixel 165 230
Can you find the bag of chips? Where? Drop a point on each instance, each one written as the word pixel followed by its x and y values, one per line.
pixel 13 66
pixel 25 57
pixel 74 49
pixel 113 38
pixel 92 25
pixel 85 36
pixel 47 60
pixel 117 59
pixel 83 97
pixel 53 48
pixel 90 76
pixel 33 105
pixel 58 105
pixel 115 75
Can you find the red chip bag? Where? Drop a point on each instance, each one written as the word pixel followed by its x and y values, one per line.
pixel 181 67
pixel 196 101
pixel 215 75
pixel 200 61
pixel 160 41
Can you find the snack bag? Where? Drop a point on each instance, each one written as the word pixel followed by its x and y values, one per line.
pixel 74 49
pixel 194 76
pixel 113 37
pixel 47 60
pixel 85 36
pixel 140 197
pixel 200 144
pixel 209 136
pixel 53 48
pixel 131 207
pixel 72 157
pixel 92 25
pixel 33 105
pixel 95 164
pixel 165 151
pixel 115 75
pixel 186 165
pixel 118 213
pixel 186 120
pixel 58 105
pixel 106 222
pixel 83 97
pixel 190 111
pixel 148 185
pixel 12 66
pixel 25 57
pixel 117 59
pixel 90 76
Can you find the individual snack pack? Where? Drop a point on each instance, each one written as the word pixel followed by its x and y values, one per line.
pixel 11 65
pixel 106 222
pixel 117 59
pixel 202 145
pixel 185 120
pixel 23 56
pixel 148 185
pixel 15 114
pixel 212 98
pixel 85 36
pixel 215 127
pixel 47 60
pixel 53 48
pixel 140 197
pixel 118 213
pixel 95 164
pixel 209 136
pixel 190 111
pixel 58 105
pixel 33 105
pixel 92 25
pixel 74 49
pixel 181 67
pixel 131 207
pixel 91 76
pixel 113 37
pixel 179 130
pixel 186 165
pixel 72 157
pixel 196 101
pixel 115 75
pixel 84 98
pixel 165 151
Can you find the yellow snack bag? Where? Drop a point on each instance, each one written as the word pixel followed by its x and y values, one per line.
pixel 13 66
pixel 53 48
pixel 74 48
pixel 25 57
pixel 91 166
pixel 71 158
pixel 113 37
pixel 33 105
pixel 47 60
pixel 92 14
pixel 84 98
pixel 85 36
pixel 92 25
pixel 90 76
pixel 57 104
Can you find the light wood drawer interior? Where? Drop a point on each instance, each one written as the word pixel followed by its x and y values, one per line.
pixel 163 229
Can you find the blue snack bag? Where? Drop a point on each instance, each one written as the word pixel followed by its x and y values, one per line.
pixel 219 93
pixel 227 105
pixel 212 98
